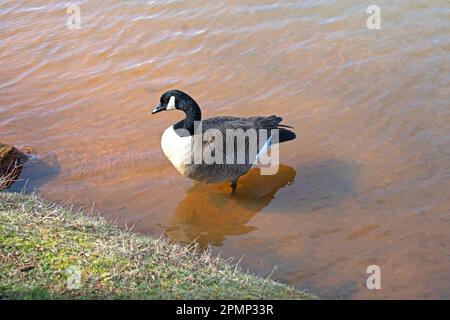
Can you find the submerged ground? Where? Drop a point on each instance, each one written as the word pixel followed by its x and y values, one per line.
pixel 49 252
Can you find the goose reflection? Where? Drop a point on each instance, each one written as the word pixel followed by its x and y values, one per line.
pixel 209 213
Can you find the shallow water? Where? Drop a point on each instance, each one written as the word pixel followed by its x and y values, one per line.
pixel 367 181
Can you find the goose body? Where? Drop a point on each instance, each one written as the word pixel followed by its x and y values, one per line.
pixel 181 141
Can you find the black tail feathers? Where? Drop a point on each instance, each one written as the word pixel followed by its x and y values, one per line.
pixel 286 135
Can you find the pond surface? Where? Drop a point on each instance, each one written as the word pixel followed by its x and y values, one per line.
pixel 366 182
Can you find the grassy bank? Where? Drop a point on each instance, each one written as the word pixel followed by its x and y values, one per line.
pixel 41 243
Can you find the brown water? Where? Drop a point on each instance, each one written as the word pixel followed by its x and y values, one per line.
pixel 366 182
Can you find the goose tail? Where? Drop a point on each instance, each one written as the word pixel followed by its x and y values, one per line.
pixel 286 135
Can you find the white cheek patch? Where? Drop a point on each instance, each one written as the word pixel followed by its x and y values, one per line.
pixel 171 104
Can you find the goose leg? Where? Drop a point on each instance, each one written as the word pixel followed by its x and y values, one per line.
pixel 233 186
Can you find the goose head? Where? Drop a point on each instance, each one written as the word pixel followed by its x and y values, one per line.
pixel 176 100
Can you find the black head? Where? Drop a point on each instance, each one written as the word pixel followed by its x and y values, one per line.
pixel 175 100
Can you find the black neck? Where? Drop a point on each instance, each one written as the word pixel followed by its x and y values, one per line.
pixel 192 114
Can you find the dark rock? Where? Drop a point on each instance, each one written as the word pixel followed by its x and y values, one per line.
pixel 10 165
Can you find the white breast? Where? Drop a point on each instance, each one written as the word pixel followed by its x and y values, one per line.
pixel 177 149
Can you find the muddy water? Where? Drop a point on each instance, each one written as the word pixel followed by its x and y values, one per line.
pixel 367 182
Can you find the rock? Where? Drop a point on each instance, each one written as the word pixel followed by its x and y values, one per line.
pixel 10 165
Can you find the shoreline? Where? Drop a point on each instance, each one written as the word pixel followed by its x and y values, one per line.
pixel 50 252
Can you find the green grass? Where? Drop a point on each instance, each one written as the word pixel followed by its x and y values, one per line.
pixel 39 241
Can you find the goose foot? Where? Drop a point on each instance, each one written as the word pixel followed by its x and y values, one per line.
pixel 233 186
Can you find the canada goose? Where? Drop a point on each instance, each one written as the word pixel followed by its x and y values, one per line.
pixel 178 141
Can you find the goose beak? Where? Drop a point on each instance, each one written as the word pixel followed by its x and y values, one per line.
pixel 158 108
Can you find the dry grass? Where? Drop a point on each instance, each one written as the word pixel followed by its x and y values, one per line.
pixel 12 174
pixel 39 241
